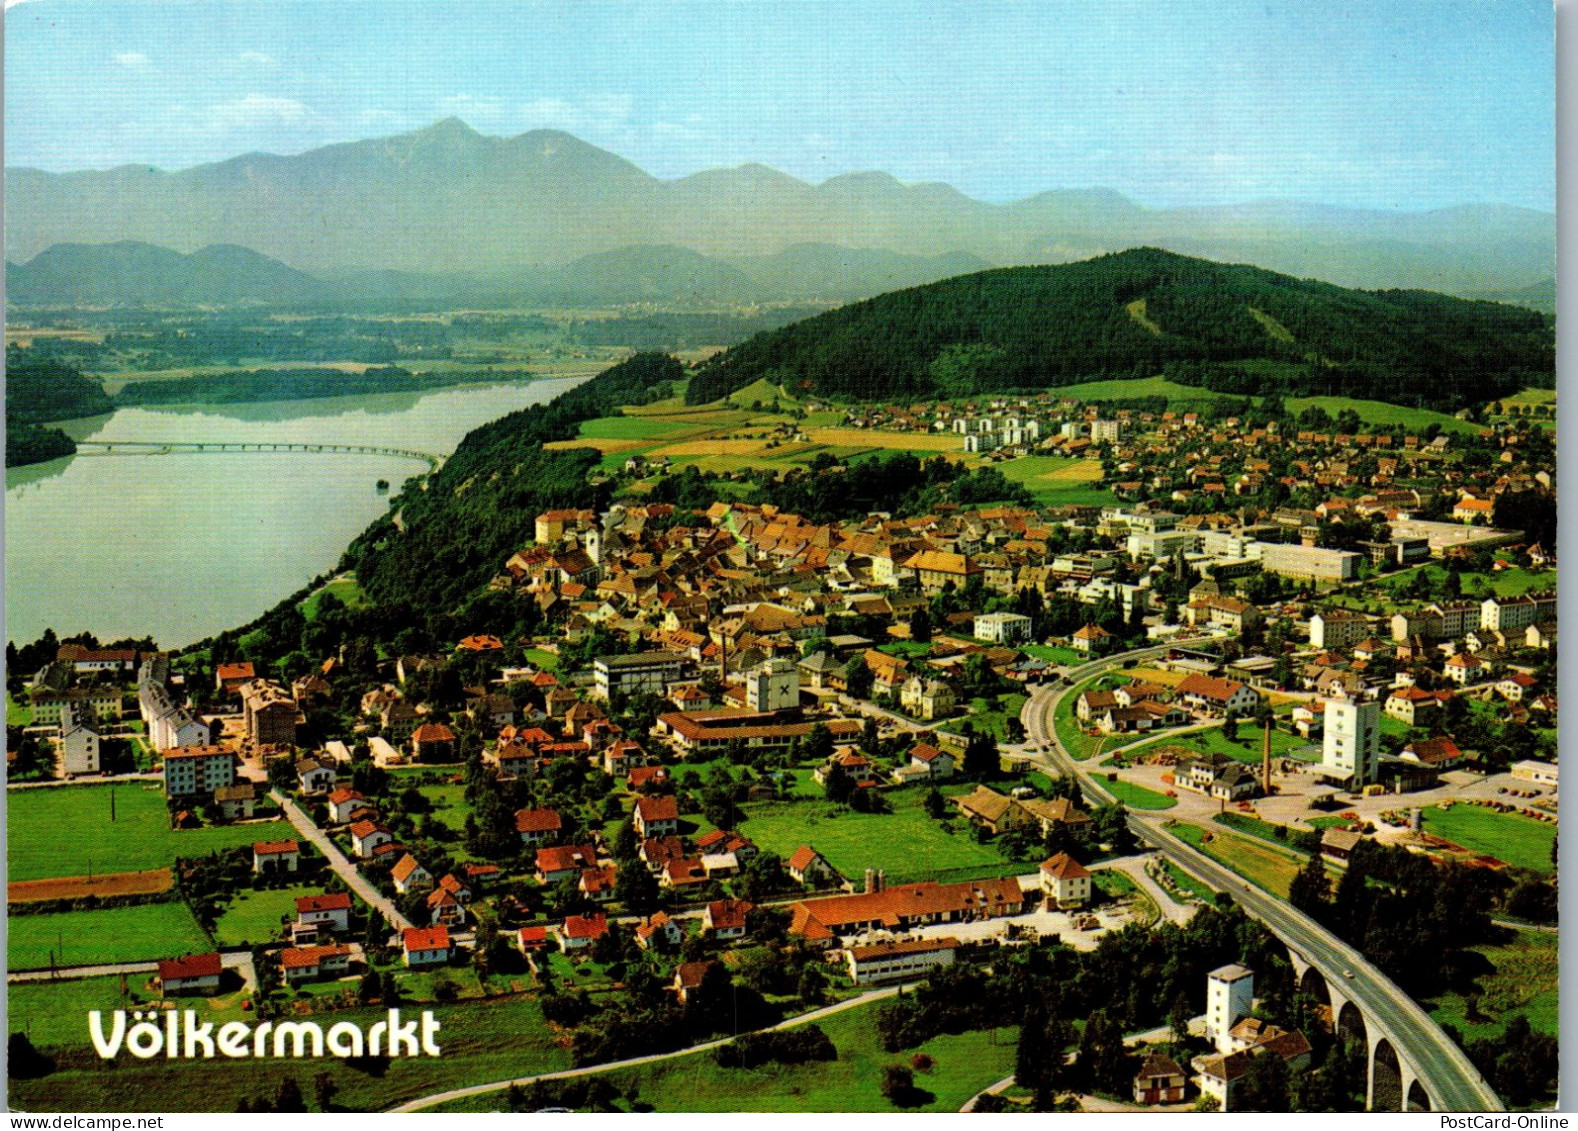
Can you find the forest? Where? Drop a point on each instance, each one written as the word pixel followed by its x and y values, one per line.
pixel 1136 313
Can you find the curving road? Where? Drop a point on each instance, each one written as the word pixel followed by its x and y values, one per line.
pixel 1444 1070
pixel 591 1069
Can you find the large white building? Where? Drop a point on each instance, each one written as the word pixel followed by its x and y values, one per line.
pixel 1229 995
pixel 193 770
pixel 643 671
pixel 775 686
pixel 1338 629
pixel 79 740
pixel 1351 742
pixel 1310 563
pixel 1002 628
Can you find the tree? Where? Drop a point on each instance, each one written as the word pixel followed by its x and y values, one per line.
pixel 1264 1087
pixel 635 888
pixel 858 677
pixel 324 1089
pixel 1310 890
pixel 1039 1059
pixel 1230 727
pixel 920 625
pixel 981 760
pixel 367 989
pixel 936 804
pixel 289 1097
pixel 898 1084
pixel 837 786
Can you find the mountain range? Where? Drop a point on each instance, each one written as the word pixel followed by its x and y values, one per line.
pixel 447 201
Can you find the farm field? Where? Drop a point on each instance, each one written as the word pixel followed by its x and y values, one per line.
pixel 1522 980
pixel 1380 412
pixel 481 1042
pixel 1118 390
pixel 254 917
pixel 1521 841
pixel 55 1014
pixel 963 1064
pixel 92 938
pixel 43 839
pixel 77 887
pixel 1259 863
pixel 905 843
pixel 1058 479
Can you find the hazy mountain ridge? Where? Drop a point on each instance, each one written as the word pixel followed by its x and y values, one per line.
pixel 447 199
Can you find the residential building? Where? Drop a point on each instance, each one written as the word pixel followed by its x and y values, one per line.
pixel 579 932
pixel 433 742
pixel 1338 629
pixel 725 918
pixel 197 771
pixel 409 875
pixel 927 698
pixel 79 740
pixel 1213 695
pixel 809 867
pixel 328 912
pixel 425 946
pixel 1065 882
pixel 275 856
pixel 270 713
pixel 367 836
pixel 310 963
pixel 656 816
pixel 1159 1081
pixel 538 826
pixel 1003 628
pixel 193 974
pixel 651 672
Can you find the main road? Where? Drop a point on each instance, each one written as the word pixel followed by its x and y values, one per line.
pixel 342 867
pixel 1444 1070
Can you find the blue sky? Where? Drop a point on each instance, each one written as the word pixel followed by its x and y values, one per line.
pixel 1396 104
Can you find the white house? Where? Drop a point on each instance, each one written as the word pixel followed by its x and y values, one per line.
pixel 425 946
pixel 276 856
pixel 900 961
pixel 410 876
pixel 1065 881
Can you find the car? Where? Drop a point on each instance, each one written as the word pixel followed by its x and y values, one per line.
pixel 1347 973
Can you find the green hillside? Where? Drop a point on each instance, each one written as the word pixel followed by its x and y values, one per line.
pixel 1144 312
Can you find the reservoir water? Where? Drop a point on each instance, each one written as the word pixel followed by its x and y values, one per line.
pixel 180 546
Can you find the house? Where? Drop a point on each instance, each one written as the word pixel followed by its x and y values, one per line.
pixel 275 856
pixel 192 974
pixel 992 810
pixel 309 963
pixel 725 918
pixel 855 766
pixel 656 816
pixel 1216 1075
pixel 1515 686
pixel 1217 776
pixel 622 755
pixel 1212 695
pixel 1093 704
pixel 529 940
pixel 643 778
pixel 564 862
pixel 658 930
pixel 1412 705
pixel 270 714
pixel 368 835
pixel 688 977
pixel 328 912
pixel 581 931
pixel 538 827
pixel 314 777
pixel 927 763
pixel 410 876
pixel 902 907
pixel 597 884
pixel 809 867
pixel 1065 881
pixel 79 740
pixel 1159 1081
pixel 927 698
pixel 425 946
pixel 1339 844
pixel 1090 639
pixel 433 742
pixel 231 677
pixel 1462 669
pixel 236 802
pixel 683 872
pixel 444 906
pixel 342 803
pixel 903 960
pixel 1054 812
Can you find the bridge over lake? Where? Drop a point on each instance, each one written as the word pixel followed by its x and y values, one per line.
pixel 194 447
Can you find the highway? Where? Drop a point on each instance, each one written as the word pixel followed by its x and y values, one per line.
pixel 1444 1070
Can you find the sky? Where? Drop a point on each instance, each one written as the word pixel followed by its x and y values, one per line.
pixel 1406 104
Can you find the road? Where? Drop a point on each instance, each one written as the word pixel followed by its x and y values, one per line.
pixel 234 960
pixel 86 779
pixel 1134 867
pixel 635 1062
pixel 1446 1073
pixel 342 867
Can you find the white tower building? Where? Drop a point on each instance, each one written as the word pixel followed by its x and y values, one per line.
pixel 775 686
pixel 1351 745
pixel 1229 996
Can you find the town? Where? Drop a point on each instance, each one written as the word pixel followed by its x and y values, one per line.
pixel 685 756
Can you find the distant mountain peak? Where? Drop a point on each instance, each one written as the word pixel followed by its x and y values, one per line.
pixel 447 127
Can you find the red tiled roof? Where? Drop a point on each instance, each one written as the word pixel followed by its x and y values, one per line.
pixel 537 821
pixel 305 957
pixel 426 938
pixel 275 847
pixel 191 966
pixel 585 926
pixel 332 901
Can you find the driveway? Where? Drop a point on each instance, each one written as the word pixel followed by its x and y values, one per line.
pixel 342 867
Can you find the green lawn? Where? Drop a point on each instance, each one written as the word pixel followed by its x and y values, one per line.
pixel 55 1014
pixel 906 648
pixel 992 715
pixel 1138 796
pixel 1058 479
pixel 1523 980
pixel 1519 840
pixel 1213 741
pixel 481 1042
pixel 1187 883
pixel 1380 412
pixel 1259 863
pixel 1070 732
pixel 628 428
pixel 91 938
pixel 253 917
pixel 962 1065
pixel 904 843
pixel 1051 653
pixel 345 588
pixel 546 661
pixel 17 714
pixel 1117 390
pixel 67 831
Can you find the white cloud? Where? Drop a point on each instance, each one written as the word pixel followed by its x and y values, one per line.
pixel 256 110
pixel 257 58
pixel 135 60
pixel 603 115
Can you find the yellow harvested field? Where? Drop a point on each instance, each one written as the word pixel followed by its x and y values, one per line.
pixel 875 438
pixel 1157 676
pixel 602 445
pixel 723 447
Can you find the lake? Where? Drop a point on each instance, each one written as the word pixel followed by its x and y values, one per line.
pixel 180 546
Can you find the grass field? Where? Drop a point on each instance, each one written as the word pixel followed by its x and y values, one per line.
pixel 345 588
pixel 55 1014
pixel 1380 412
pixel 1187 883
pixel 962 1065
pixel 764 391
pixel 1058 479
pixel 1051 653
pixel 905 842
pixel 629 428
pixel 1213 741
pixel 1137 796
pixel 1521 841
pixel 91 938
pixel 46 832
pixel 1145 387
pixel 17 714
pixel 481 1042
pixel 253 917
pixel 992 715
pixel 1523 980
pixel 1259 863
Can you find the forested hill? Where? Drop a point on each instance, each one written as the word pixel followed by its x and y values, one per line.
pixel 1142 312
